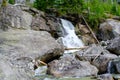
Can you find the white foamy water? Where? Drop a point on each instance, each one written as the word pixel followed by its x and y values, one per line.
pixel 109 67
pixel 70 39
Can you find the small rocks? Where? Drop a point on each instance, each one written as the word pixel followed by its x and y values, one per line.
pixel 105 77
pixel 97 56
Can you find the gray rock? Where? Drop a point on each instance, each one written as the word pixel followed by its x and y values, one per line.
pixel 22 17
pixel 70 67
pixel 39 23
pixel 105 77
pixel 28 43
pixel 20 1
pixel 10 72
pixel 97 56
pixel 45 23
pixel 114 46
pixel 109 29
pixel 24 1
pixel 21 47
pixel 32 1
pixel 13 17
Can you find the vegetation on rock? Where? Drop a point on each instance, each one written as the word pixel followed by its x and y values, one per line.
pixel 95 11
pixel 11 1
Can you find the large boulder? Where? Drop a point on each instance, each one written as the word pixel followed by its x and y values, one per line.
pixel 10 72
pixel 97 56
pixel 23 17
pixel 28 43
pixel 13 17
pixel 68 66
pixel 21 48
pixel 114 46
pixel 109 29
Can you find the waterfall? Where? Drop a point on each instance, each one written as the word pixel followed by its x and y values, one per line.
pixel 109 67
pixel 69 38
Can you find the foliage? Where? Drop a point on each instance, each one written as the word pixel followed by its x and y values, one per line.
pixel 4 3
pixel 94 10
pixel 11 1
pixel 101 10
pixel 43 4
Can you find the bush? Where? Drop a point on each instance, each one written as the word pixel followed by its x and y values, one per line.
pixel 11 1
pixel 95 9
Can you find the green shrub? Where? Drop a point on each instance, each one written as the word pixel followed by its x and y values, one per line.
pixel 95 9
pixel 11 1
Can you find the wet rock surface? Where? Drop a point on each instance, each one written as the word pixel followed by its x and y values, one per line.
pixel 68 66
pixel 97 56
pixel 114 66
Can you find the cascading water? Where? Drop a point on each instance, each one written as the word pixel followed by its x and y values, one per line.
pixel 109 67
pixel 69 38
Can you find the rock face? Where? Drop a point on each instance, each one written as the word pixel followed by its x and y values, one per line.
pixel 23 17
pixel 10 72
pixel 70 67
pixel 85 34
pixel 97 56
pixel 21 47
pixel 114 46
pixel 109 29
pixel 45 23
pixel 32 44
pixel 13 17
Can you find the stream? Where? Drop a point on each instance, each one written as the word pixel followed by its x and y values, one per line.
pixel 69 40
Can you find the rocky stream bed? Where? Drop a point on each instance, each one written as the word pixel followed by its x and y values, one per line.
pixel 37 46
